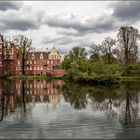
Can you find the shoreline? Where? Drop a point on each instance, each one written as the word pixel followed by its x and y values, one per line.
pixel 33 77
pixel 86 81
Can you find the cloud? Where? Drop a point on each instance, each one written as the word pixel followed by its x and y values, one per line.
pixel 124 13
pixel 64 42
pixel 63 29
pixel 81 25
pixel 21 20
pixel 67 32
pixel 7 5
pixel 61 40
pixel 126 10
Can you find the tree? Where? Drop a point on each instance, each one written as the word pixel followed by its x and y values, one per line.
pixel 77 53
pixel 107 48
pixel 66 63
pixel 127 44
pixel 95 50
pixel 109 59
pixel 23 45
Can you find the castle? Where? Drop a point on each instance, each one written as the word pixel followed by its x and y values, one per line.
pixel 37 63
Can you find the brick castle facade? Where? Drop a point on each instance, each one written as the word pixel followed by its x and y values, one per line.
pixel 37 63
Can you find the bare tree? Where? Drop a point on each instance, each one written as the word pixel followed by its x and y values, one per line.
pixel 95 50
pixel 107 48
pixel 127 44
pixel 2 50
pixel 23 45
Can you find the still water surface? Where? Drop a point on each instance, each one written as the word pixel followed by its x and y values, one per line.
pixel 56 110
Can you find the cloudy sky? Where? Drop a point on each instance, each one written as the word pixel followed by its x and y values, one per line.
pixel 65 24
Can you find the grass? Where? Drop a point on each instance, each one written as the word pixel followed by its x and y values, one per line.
pixel 51 77
pixel 34 77
pixel 130 78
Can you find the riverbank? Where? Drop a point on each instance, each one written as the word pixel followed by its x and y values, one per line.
pixel 94 79
pixel 100 79
pixel 34 77
pixel 130 78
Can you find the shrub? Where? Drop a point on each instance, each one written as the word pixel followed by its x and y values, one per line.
pixel 132 70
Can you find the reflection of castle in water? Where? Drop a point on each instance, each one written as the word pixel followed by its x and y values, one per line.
pixel 41 91
pixel 19 93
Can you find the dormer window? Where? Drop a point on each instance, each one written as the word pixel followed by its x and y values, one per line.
pixel 41 56
pixel 33 56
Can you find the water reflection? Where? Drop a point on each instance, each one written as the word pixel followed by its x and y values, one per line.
pixel 130 105
pixel 23 95
pixel 120 102
pixel 68 110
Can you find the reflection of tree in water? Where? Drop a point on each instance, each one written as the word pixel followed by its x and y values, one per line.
pixel 9 100
pixel 114 102
pixel 23 93
pixel 100 98
pixel 121 102
pixel 130 105
pixel 75 95
pixel 6 98
pixel 105 99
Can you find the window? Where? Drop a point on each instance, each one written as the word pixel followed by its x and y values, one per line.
pixel 30 68
pixel 48 62
pixel 38 68
pixel 38 85
pixel 51 61
pixel 41 68
pixel 34 62
pixel 30 62
pixel 27 62
pixel 11 50
pixel 41 56
pixel 34 68
pixel 11 56
pixel 18 62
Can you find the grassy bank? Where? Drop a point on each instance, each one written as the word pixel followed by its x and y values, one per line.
pixel 93 79
pixel 130 78
pixel 34 77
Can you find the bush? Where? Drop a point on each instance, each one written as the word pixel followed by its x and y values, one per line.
pixel 132 70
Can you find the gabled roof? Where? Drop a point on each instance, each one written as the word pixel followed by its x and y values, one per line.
pixel 37 55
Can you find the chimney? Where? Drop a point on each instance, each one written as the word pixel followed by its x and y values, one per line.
pixel 33 50
pixel 46 50
pixel 11 38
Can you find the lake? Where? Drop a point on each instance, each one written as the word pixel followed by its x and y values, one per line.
pixel 56 109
